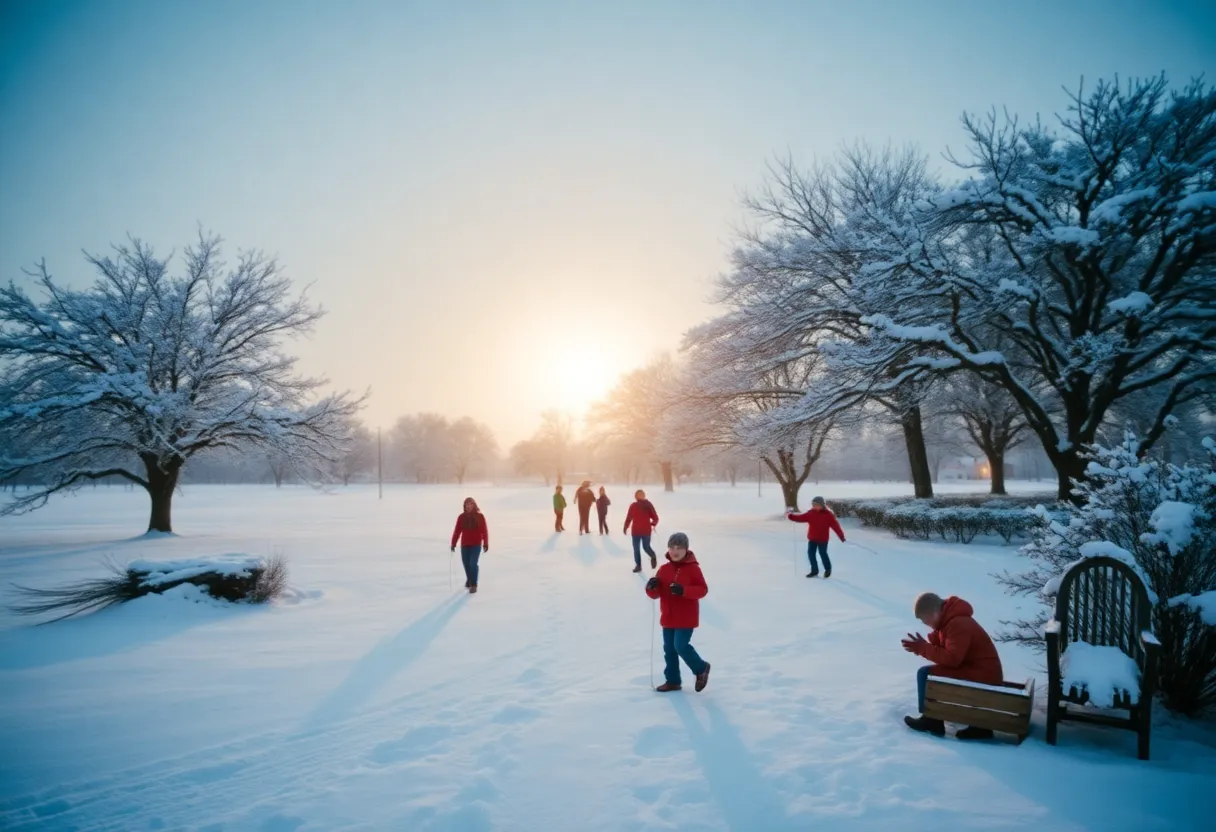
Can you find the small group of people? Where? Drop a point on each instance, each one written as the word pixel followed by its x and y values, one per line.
pixel 640 519
pixel 957 646
pixel 584 499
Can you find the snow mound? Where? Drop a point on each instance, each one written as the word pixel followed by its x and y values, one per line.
pixel 182 593
pixel 1175 525
pixel 1102 671
pixel 1137 303
pixel 1204 604
pixel 173 571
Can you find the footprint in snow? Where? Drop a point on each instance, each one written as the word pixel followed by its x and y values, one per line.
pixel 659 741
pixel 515 713
pixel 416 744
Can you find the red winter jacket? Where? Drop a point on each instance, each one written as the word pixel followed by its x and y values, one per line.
pixel 643 517
pixel 960 648
pixel 818 524
pixel 479 535
pixel 680 612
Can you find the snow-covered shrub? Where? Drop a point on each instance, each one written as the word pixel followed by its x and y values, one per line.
pixel 236 578
pixel 1160 518
pixel 957 518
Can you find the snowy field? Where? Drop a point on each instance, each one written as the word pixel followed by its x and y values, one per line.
pixel 376 697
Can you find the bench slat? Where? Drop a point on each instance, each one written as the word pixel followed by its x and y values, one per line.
pixel 978 717
pixel 944 691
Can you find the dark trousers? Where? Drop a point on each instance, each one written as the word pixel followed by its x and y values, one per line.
pixel 640 543
pixel 469 555
pixel 604 522
pixel 677 644
pixel 584 519
pixel 922 682
pixel 811 547
pixel 557 525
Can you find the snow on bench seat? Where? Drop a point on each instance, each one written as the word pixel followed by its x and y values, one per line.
pixel 1018 691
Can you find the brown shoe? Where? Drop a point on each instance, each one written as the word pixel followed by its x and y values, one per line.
pixel 668 687
pixel 472 588
pixel 702 679
pixel 654 562
pixel 637 569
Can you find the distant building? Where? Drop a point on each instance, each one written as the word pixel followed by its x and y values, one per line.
pixel 970 468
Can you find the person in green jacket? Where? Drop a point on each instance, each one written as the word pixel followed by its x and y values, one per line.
pixel 559 509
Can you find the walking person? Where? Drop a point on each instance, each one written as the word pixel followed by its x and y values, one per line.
pixel 474 537
pixel 584 498
pixel 601 507
pixel 559 510
pixel 679 587
pixel 643 518
pixel 819 522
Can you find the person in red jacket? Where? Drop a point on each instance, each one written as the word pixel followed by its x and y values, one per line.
pixel 819 521
pixel 474 537
pixel 642 516
pixel 959 648
pixel 679 586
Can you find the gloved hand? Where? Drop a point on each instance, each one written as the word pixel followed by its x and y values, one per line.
pixel 453 548
pixel 652 585
pixel 676 589
pixel 485 548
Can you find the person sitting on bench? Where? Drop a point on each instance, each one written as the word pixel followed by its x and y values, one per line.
pixel 958 648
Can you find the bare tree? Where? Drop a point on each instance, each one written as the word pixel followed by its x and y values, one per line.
pixel 361 456
pixel 629 417
pixel 471 442
pixel 137 374
pixel 421 447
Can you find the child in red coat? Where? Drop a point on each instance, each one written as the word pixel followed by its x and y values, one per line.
pixel 474 537
pixel 819 521
pixel 679 586
pixel 958 647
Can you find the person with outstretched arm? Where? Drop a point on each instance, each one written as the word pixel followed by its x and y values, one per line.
pixel 474 537
pixel 819 522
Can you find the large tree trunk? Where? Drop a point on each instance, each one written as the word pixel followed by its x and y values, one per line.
pixel 918 457
pixel 161 485
pixel 1069 465
pixel 996 465
pixel 668 481
pixel 789 492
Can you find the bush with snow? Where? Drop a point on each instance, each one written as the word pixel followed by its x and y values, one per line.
pixel 959 519
pixel 231 578
pixel 1160 519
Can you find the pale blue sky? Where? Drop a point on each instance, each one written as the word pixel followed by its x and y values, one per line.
pixel 502 205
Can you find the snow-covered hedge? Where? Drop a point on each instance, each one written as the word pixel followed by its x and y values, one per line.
pixel 235 578
pixel 959 519
pixel 1159 518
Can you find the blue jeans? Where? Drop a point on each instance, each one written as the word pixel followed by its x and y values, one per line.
pixel 640 543
pixel 469 556
pixel 811 546
pixel 677 645
pixel 922 681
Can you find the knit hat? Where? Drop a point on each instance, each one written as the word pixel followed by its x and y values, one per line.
pixel 818 501
pixel 678 539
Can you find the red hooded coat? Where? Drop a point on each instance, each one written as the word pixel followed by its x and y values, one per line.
pixel 960 648
pixel 678 612
pixel 818 524
pixel 479 535
pixel 642 517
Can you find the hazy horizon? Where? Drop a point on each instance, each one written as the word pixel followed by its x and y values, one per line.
pixel 503 208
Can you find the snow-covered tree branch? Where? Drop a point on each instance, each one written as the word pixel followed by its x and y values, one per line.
pixel 142 371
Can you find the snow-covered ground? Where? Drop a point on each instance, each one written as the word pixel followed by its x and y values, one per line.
pixel 375 697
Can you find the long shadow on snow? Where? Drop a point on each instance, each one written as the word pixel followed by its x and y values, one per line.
pixel 382 663
pixel 870 599
pixel 104 633
pixel 736 782
pixel 551 543
pixel 585 551
pixel 610 546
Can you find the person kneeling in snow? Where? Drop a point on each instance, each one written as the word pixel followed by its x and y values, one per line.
pixel 959 649
pixel 679 586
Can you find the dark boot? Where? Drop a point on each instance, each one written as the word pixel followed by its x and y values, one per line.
pixel 926 725
pixel 827 572
pixel 702 678
pixel 654 562
pixel 814 574
pixel 472 589
pixel 667 687
pixel 970 733
pixel 637 569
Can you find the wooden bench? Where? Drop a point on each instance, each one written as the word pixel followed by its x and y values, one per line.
pixel 1003 708
pixel 1103 602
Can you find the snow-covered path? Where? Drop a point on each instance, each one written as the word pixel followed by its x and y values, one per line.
pixel 379 699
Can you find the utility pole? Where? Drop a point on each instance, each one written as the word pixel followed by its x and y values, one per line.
pixel 379 464
pixel 759 477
